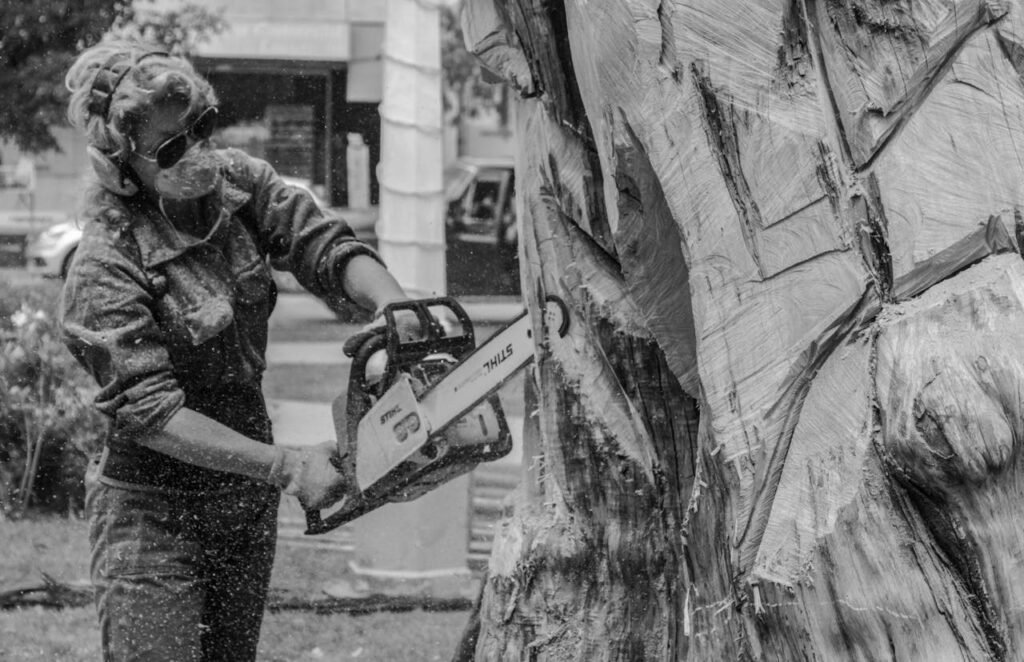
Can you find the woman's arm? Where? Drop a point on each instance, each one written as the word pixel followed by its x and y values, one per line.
pixel 197 439
pixel 321 252
pixel 308 474
pixel 369 284
pixel 106 314
pixel 301 239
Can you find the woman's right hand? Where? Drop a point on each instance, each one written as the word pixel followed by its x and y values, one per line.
pixel 312 475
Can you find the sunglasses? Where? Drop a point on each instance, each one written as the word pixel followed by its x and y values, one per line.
pixel 171 150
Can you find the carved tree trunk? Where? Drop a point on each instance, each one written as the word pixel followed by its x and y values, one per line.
pixel 786 421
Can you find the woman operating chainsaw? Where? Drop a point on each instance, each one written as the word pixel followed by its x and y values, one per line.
pixel 166 304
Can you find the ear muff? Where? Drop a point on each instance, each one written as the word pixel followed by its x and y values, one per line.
pixel 105 82
pixel 110 75
pixel 110 173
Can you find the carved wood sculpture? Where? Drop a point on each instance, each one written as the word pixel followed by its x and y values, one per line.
pixel 786 422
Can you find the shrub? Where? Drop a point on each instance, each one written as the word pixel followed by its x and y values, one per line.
pixel 48 428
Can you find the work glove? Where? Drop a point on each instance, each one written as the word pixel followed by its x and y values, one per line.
pixel 313 475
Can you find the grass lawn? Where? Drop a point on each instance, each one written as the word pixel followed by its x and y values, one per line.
pixel 59 548
pixel 35 635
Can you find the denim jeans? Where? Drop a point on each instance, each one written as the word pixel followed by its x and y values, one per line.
pixel 180 576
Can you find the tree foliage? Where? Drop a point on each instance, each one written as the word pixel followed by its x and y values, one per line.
pixel 40 38
pixel 178 30
pixel 465 87
pixel 48 427
pixel 460 67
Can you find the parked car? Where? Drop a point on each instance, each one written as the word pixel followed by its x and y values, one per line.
pixel 50 251
pixel 480 227
pixel 480 193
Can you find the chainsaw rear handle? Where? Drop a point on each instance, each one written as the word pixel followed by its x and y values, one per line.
pixel 316 523
pixel 353 508
pixel 361 394
pixel 358 401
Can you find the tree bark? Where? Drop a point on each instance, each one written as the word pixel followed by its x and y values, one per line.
pixel 785 422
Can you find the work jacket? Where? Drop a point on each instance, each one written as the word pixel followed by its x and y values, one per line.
pixel 164 320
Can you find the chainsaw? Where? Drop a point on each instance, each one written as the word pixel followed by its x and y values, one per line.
pixel 419 413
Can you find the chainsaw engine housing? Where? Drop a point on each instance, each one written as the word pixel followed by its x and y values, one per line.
pixel 408 429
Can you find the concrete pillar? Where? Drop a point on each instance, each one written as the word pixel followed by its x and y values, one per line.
pixel 422 544
pixel 410 229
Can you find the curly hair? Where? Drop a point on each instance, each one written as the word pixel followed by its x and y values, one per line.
pixel 151 81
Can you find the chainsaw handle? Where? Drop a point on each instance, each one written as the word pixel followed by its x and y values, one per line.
pixel 359 399
pixel 316 524
pixel 434 340
pixel 374 342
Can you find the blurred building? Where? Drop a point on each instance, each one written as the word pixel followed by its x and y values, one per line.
pixel 295 79
pixel 300 84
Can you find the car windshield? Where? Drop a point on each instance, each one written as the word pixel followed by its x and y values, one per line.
pixel 456 179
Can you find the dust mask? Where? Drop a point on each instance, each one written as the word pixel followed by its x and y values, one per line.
pixel 196 174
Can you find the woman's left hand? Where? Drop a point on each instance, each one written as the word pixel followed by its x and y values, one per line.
pixel 407 324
